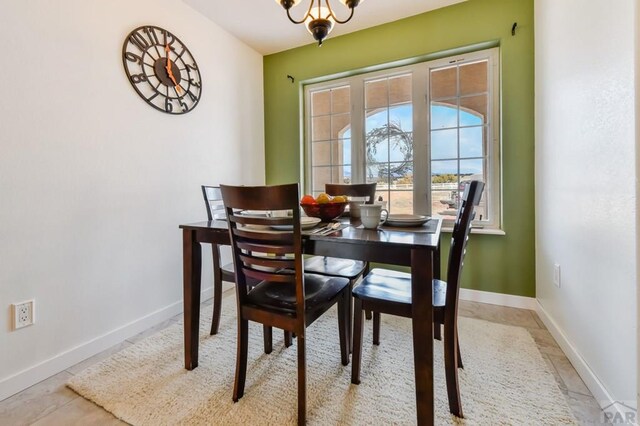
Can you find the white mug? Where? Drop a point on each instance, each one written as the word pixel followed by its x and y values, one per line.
pixel 371 215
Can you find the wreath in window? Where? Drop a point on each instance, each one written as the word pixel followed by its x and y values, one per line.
pixel 399 140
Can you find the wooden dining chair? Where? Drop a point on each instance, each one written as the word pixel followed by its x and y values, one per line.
pixel 285 296
pixel 338 267
pixel 215 210
pixel 389 292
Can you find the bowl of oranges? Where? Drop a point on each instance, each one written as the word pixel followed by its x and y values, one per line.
pixel 324 206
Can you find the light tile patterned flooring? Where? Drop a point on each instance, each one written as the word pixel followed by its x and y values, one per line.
pixel 51 403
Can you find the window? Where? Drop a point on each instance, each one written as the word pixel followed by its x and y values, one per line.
pixel 421 132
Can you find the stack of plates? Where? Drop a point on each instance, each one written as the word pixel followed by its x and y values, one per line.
pixel 406 220
pixel 305 223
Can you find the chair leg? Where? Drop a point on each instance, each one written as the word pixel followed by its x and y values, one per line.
pixel 451 370
pixel 376 328
pixel 349 316
pixel 357 341
pixel 217 291
pixel 302 381
pixel 288 338
pixel 437 331
pixel 267 333
pixel 459 355
pixel 368 315
pixel 241 359
pixel 343 326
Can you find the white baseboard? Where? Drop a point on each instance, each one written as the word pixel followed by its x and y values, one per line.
pixel 498 299
pixel 600 393
pixel 45 369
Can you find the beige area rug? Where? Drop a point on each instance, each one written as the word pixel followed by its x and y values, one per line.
pixel 505 380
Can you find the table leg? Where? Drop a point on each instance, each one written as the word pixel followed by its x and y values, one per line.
pixel 436 263
pixel 422 321
pixel 192 270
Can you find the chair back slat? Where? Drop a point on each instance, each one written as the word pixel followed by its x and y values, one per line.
pixel 265 236
pixel 261 220
pixel 259 252
pixel 361 190
pixel 259 275
pixel 254 198
pixel 262 247
pixel 213 201
pixel 459 238
pixel 268 262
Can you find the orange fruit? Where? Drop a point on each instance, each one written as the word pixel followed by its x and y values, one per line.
pixel 323 198
pixel 308 199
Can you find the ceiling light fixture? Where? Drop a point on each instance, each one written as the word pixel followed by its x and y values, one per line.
pixel 319 19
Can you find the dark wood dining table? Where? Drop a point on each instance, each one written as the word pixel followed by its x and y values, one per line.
pixel 419 250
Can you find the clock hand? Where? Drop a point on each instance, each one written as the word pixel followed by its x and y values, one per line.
pixel 170 71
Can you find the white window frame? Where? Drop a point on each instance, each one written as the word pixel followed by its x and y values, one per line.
pixel 421 129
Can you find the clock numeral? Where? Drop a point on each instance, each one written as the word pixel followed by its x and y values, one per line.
pixel 192 66
pixel 139 41
pixel 169 39
pixel 195 83
pixel 138 78
pixel 184 106
pixel 168 105
pixel 193 97
pixel 151 32
pixel 133 58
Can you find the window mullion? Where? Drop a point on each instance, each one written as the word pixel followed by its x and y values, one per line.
pixel 421 156
pixel 357 131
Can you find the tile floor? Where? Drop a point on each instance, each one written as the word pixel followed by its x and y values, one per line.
pixel 51 403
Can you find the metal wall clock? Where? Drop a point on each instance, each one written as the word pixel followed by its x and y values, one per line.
pixel 162 70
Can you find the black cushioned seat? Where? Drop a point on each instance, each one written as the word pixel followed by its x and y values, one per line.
pixel 281 297
pixel 395 286
pixel 334 266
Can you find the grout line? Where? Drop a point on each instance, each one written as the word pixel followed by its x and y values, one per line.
pixel 551 357
pixel 537 323
pixel 77 395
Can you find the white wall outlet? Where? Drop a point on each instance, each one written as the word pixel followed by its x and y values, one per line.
pixel 23 314
pixel 556 274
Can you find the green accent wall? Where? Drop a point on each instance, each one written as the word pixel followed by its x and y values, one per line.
pixel 496 263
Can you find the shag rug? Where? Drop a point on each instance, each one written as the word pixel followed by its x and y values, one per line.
pixel 504 381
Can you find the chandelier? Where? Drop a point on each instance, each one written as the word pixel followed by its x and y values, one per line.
pixel 319 19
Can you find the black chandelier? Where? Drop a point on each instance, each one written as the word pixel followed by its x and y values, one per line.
pixel 319 19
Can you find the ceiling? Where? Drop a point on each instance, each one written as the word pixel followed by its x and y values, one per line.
pixel 263 24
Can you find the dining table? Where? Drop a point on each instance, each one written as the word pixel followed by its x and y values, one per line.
pixel 418 249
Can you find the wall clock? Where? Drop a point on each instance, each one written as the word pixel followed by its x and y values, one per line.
pixel 162 70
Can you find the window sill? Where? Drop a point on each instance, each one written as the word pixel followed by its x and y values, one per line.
pixel 485 231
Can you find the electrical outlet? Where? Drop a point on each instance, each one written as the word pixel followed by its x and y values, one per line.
pixel 23 314
pixel 556 274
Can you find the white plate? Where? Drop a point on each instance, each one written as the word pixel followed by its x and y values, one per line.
pixel 305 223
pixel 258 213
pixel 406 220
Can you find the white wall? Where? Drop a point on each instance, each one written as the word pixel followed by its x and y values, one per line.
pixel 585 187
pixel 94 182
pixel 637 71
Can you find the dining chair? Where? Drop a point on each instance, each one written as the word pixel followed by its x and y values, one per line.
pixel 389 292
pixel 215 210
pixel 285 296
pixel 338 267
